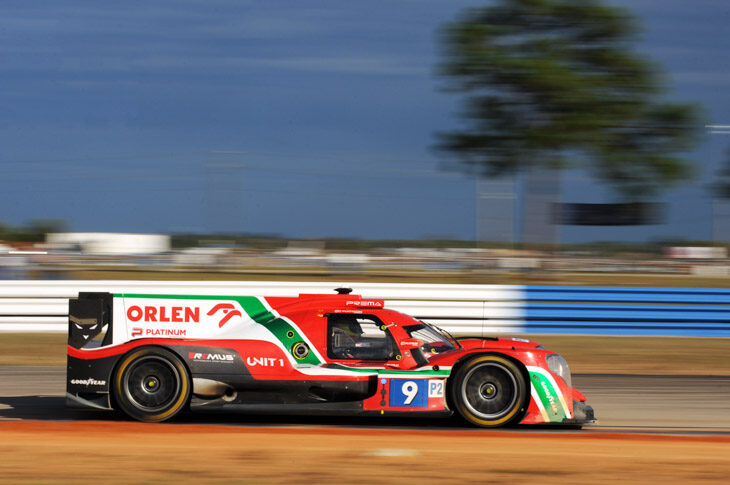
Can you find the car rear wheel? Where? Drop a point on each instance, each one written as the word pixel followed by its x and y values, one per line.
pixel 489 391
pixel 151 385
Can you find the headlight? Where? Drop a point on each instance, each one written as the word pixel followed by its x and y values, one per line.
pixel 558 365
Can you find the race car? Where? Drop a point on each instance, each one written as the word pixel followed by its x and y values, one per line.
pixel 153 356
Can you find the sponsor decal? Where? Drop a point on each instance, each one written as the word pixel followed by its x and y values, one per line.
pixel 225 311
pixel 159 332
pixel 264 362
pixel 550 397
pixel 367 303
pixel 547 395
pixel 228 310
pixel 175 314
pixel 165 332
pixel 206 357
pixel 88 382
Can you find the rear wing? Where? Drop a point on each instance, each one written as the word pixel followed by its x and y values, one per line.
pixel 90 320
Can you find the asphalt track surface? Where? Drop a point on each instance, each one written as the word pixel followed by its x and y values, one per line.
pixel 623 403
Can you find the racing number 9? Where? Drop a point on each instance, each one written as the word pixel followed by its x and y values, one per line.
pixel 410 390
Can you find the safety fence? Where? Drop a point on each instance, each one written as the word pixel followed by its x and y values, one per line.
pixel 697 312
pixel 42 306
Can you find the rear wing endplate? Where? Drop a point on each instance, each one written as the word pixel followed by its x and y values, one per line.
pixel 90 320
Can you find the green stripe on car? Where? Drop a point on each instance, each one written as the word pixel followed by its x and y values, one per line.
pixel 548 396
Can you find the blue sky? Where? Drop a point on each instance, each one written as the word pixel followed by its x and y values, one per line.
pixel 305 119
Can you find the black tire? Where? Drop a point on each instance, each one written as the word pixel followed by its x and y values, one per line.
pixel 489 391
pixel 151 384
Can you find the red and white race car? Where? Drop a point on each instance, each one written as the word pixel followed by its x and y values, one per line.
pixel 153 356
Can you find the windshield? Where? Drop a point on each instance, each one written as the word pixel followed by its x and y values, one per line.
pixel 434 341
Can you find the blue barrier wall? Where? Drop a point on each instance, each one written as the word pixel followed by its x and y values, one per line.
pixel 696 312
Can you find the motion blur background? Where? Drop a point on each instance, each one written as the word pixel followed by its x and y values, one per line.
pixel 514 141
pixel 317 120
pixel 545 145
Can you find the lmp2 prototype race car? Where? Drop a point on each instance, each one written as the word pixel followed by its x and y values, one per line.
pixel 152 356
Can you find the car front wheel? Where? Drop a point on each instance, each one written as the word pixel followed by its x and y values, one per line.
pixel 489 391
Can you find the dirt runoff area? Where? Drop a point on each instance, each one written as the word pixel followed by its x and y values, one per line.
pixel 123 452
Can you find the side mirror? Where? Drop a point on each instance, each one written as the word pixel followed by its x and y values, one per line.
pixel 410 343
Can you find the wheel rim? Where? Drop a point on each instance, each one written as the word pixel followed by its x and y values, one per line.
pixel 151 384
pixel 489 391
